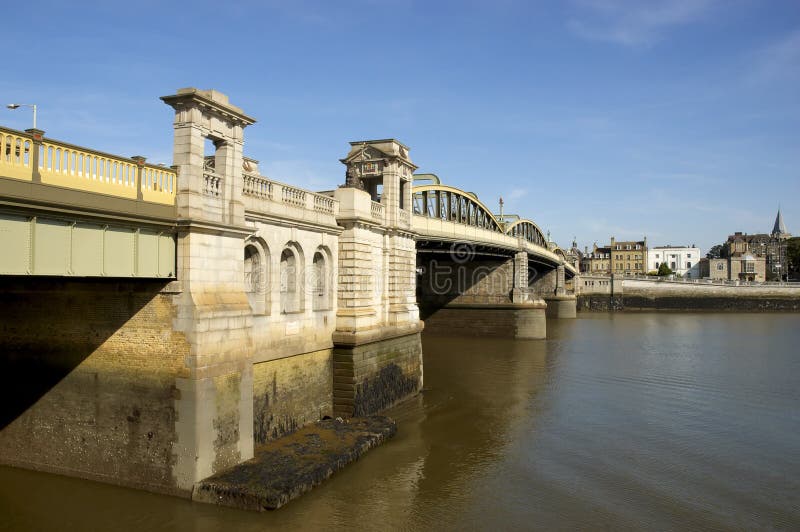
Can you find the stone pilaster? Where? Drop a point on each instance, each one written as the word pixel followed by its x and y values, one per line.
pixel 519 293
pixel 560 280
pixel 214 403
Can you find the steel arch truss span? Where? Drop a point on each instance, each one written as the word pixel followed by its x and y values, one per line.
pixel 528 230
pixel 453 205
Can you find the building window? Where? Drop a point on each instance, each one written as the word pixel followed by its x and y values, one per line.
pixel 749 267
pixel 252 270
pixel 320 284
pixel 256 273
pixel 688 265
pixel 688 255
pixel 290 292
pixel 657 256
pixel 720 266
pixel 672 265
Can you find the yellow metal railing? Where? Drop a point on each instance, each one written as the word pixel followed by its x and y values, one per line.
pixel 16 155
pixel 85 170
pixel 158 184
pixel 74 167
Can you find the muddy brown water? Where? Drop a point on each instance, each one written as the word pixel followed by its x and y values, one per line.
pixel 618 421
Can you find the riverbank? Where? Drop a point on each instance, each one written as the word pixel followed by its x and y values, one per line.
pixel 636 294
pixel 286 468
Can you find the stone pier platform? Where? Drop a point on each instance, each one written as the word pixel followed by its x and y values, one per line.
pixel 284 469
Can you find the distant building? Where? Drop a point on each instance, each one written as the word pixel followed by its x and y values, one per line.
pixel 777 262
pixel 624 257
pixel 574 255
pixel 597 261
pixel 758 257
pixel 682 260
pixel 739 262
pixel 629 257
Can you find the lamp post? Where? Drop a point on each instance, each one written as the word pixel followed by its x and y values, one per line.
pixel 31 105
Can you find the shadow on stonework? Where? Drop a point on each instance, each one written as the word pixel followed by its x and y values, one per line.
pixel 50 326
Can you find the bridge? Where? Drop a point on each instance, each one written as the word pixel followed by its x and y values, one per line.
pixel 159 322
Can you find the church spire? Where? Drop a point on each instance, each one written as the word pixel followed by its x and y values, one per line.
pixel 779 229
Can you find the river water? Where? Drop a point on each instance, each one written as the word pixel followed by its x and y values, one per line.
pixel 617 421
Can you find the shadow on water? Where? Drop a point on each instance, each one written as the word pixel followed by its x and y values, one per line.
pixel 630 421
pixel 476 396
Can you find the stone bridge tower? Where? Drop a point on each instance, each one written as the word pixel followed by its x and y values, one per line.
pixel 378 354
pixel 214 401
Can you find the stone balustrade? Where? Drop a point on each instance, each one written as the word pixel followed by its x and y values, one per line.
pixel 324 204
pixel 257 186
pixel 212 184
pixel 377 211
pixel 265 195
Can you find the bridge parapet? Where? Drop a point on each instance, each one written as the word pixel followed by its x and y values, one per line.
pixel 28 156
pixel 265 196
pixel 378 212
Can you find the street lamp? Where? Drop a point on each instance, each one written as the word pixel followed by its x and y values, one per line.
pixel 31 105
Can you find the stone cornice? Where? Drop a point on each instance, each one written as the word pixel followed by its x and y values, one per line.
pixel 377 334
pixel 215 228
pixel 209 100
pixel 362 223
pixel 291 222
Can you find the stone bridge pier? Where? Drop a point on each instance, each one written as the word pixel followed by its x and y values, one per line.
pixel 377 357
pixel 549 284
pixel 475 292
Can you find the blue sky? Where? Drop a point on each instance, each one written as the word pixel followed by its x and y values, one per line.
pixel 675 119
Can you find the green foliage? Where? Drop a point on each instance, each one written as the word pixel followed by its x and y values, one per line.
pixel 793 253
pixel 663 270
pixel 716 252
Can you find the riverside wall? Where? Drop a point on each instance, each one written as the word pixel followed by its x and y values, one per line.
pixel 635 294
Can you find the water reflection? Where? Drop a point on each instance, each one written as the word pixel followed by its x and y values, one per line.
pixel 666 421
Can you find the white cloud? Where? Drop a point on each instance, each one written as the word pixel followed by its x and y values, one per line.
pixel 633 22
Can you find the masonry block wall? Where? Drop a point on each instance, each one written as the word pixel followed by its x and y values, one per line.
pixel 485 296
pixel 88 370
pixel 376 375
pixel 291 392
pixel 544 283
pixel 443 281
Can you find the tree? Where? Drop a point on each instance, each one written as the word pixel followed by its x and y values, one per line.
pixel 715 252
pixel 664 270
pixel 793 255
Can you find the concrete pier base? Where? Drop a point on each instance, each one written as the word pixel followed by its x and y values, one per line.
pixel 561 307
pixel 286 468
pixel 525 321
